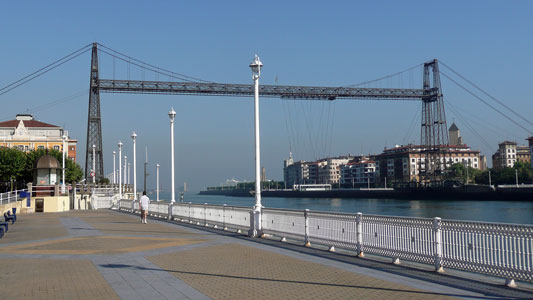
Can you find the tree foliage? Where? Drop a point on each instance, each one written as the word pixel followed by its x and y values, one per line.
pixel 18 165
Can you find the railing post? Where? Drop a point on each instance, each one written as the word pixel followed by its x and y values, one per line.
pixel 205 214
pixel 306 217
pixel 437 231
pixel 133 206
pixel 170 211
pixel 359 234
pixel 190 221
pixel 224 217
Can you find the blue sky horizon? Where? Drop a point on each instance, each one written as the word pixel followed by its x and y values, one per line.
pixel 337 43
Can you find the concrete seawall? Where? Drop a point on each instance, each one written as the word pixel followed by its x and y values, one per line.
pixel 470 192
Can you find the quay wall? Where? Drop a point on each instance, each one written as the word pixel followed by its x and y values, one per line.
pixel 469 192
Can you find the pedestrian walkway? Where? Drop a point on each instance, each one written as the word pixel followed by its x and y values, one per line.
pixel 110 255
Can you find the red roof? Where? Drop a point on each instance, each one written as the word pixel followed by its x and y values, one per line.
pixel 27 123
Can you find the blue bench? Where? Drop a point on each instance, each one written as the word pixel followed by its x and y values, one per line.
pixel 4 226
pixel 8 218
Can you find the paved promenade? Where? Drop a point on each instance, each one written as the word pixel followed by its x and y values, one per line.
pixel 111 255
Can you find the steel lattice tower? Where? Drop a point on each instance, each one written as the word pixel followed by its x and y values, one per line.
pixel 434 131
pixel 94 123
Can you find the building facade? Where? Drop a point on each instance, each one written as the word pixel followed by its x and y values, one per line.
pixel 26 134
pixel 359 173
pixel 530 142
pixel 403 163
pixel 323 171
pixel 505 156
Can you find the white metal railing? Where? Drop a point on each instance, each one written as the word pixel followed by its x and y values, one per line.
pixel 102 202
pixel 503 250
pixel 9 197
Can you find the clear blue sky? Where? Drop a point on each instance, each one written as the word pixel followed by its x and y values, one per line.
pixel 333 43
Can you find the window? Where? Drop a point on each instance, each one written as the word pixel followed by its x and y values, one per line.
pixel 56 148
pixel 40 147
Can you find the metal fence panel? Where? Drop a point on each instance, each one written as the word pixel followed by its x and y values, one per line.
pixel 282 222
pixel 332 229
pixel 504 250
pixel 399 237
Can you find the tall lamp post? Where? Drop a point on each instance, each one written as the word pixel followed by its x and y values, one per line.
pixel 94 163
pixel 172 116
pixel 114 167
pixel 134 138
pixel 129 177
pixel 256 65
pixel 120 169
pixel 63 187
pixel 157 181
pixel 125 170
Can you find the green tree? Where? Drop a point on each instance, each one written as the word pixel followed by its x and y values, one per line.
pixel 12 165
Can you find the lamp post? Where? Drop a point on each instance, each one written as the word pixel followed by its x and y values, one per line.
pixel 94 163
pixel 120 169
pixel 134 138
pixel 256 65
pixel 114 167
pixel 490 181
pixel 129 169
pixel 172 116
pixel 63 187
pixel 125 170
pixel 157 181
pixel 516 176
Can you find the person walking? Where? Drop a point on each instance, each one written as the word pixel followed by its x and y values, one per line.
pixel 145 203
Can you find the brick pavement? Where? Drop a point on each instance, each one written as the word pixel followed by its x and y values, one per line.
pixel 109 255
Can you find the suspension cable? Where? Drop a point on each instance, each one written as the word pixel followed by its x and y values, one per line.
pixel 44 70
pixel 485 102
pixel 486 93
pixel 384 77
pixel 157 69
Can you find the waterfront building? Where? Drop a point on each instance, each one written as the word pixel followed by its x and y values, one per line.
pixel 505 156
pixel 322 171
pixel 329 171
pixel 26 134
pixel 403 163
pixel 359 172
pixel 530 140
pixel 523 154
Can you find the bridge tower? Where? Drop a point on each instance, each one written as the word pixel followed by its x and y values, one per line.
pixel 434 132
pixel 94 123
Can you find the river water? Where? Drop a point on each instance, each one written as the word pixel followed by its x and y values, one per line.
pixel 520 212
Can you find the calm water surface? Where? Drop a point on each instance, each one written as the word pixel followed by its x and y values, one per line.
pixel 520 212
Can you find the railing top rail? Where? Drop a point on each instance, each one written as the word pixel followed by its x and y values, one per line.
pixel 483 223
pixel 210 205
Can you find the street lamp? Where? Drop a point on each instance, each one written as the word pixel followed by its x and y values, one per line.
pixel 65 136
pixel 120 169
pixel 157 182
pixel 125 169
pixel 134 138
pixel 172 116
pixel 114 168
pixel 129 169
pixel 94 163
pixel 256 66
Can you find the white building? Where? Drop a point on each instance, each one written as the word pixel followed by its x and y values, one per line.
pixel 359 173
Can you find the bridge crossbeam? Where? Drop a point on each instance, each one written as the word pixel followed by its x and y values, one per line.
pixel 270 91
